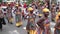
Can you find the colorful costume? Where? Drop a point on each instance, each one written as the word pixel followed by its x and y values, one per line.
pixel 2 21
pixel 18 19
pixel 44 23
pixel 53 14
pixel 9 17
pixel 40 26
pixel 31 28
pixel 57 26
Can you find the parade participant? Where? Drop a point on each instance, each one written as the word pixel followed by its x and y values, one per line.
pixel 2 21
pixel 54 7
pixel 57 7
pixel 46 5
pixel 35 10
pixel 25 5
pixel 18 17
pixel 12 4
pixel 31 22
pixel 3 3
pixel 46 21
pixel 4 10
pixel 31 10
pixel 25 14
pixel 43 23
pixel 53 14
pixel 9 6
pixel 40 26
pixel 9 16
pixel 58 10
pixel 57 26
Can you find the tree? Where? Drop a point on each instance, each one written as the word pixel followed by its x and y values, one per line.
pixel 29 1
pixel 0 1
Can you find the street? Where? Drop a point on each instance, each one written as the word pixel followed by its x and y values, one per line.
pixel 22 9
pixel 12 29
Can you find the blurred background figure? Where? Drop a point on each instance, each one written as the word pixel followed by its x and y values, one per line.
pixel 2 21
pixel 57 26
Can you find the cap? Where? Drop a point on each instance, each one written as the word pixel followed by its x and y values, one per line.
pixel 40 15
pixel 45 10
pixel 30 9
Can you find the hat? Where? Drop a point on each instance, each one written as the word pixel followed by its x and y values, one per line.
pixel 58 14
pixel 45 10
pixel 9 3
pixel 40 15
pixel 17 4
pixel 30 9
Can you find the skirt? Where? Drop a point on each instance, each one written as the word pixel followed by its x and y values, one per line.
pixel 11 20
pixel 32 31
pixel 18 24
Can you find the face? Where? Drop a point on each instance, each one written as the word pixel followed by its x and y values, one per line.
pixel 46 14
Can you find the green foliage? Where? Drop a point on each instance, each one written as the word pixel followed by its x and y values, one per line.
pixel 29 1
pixel 42 2
pixel 0 1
